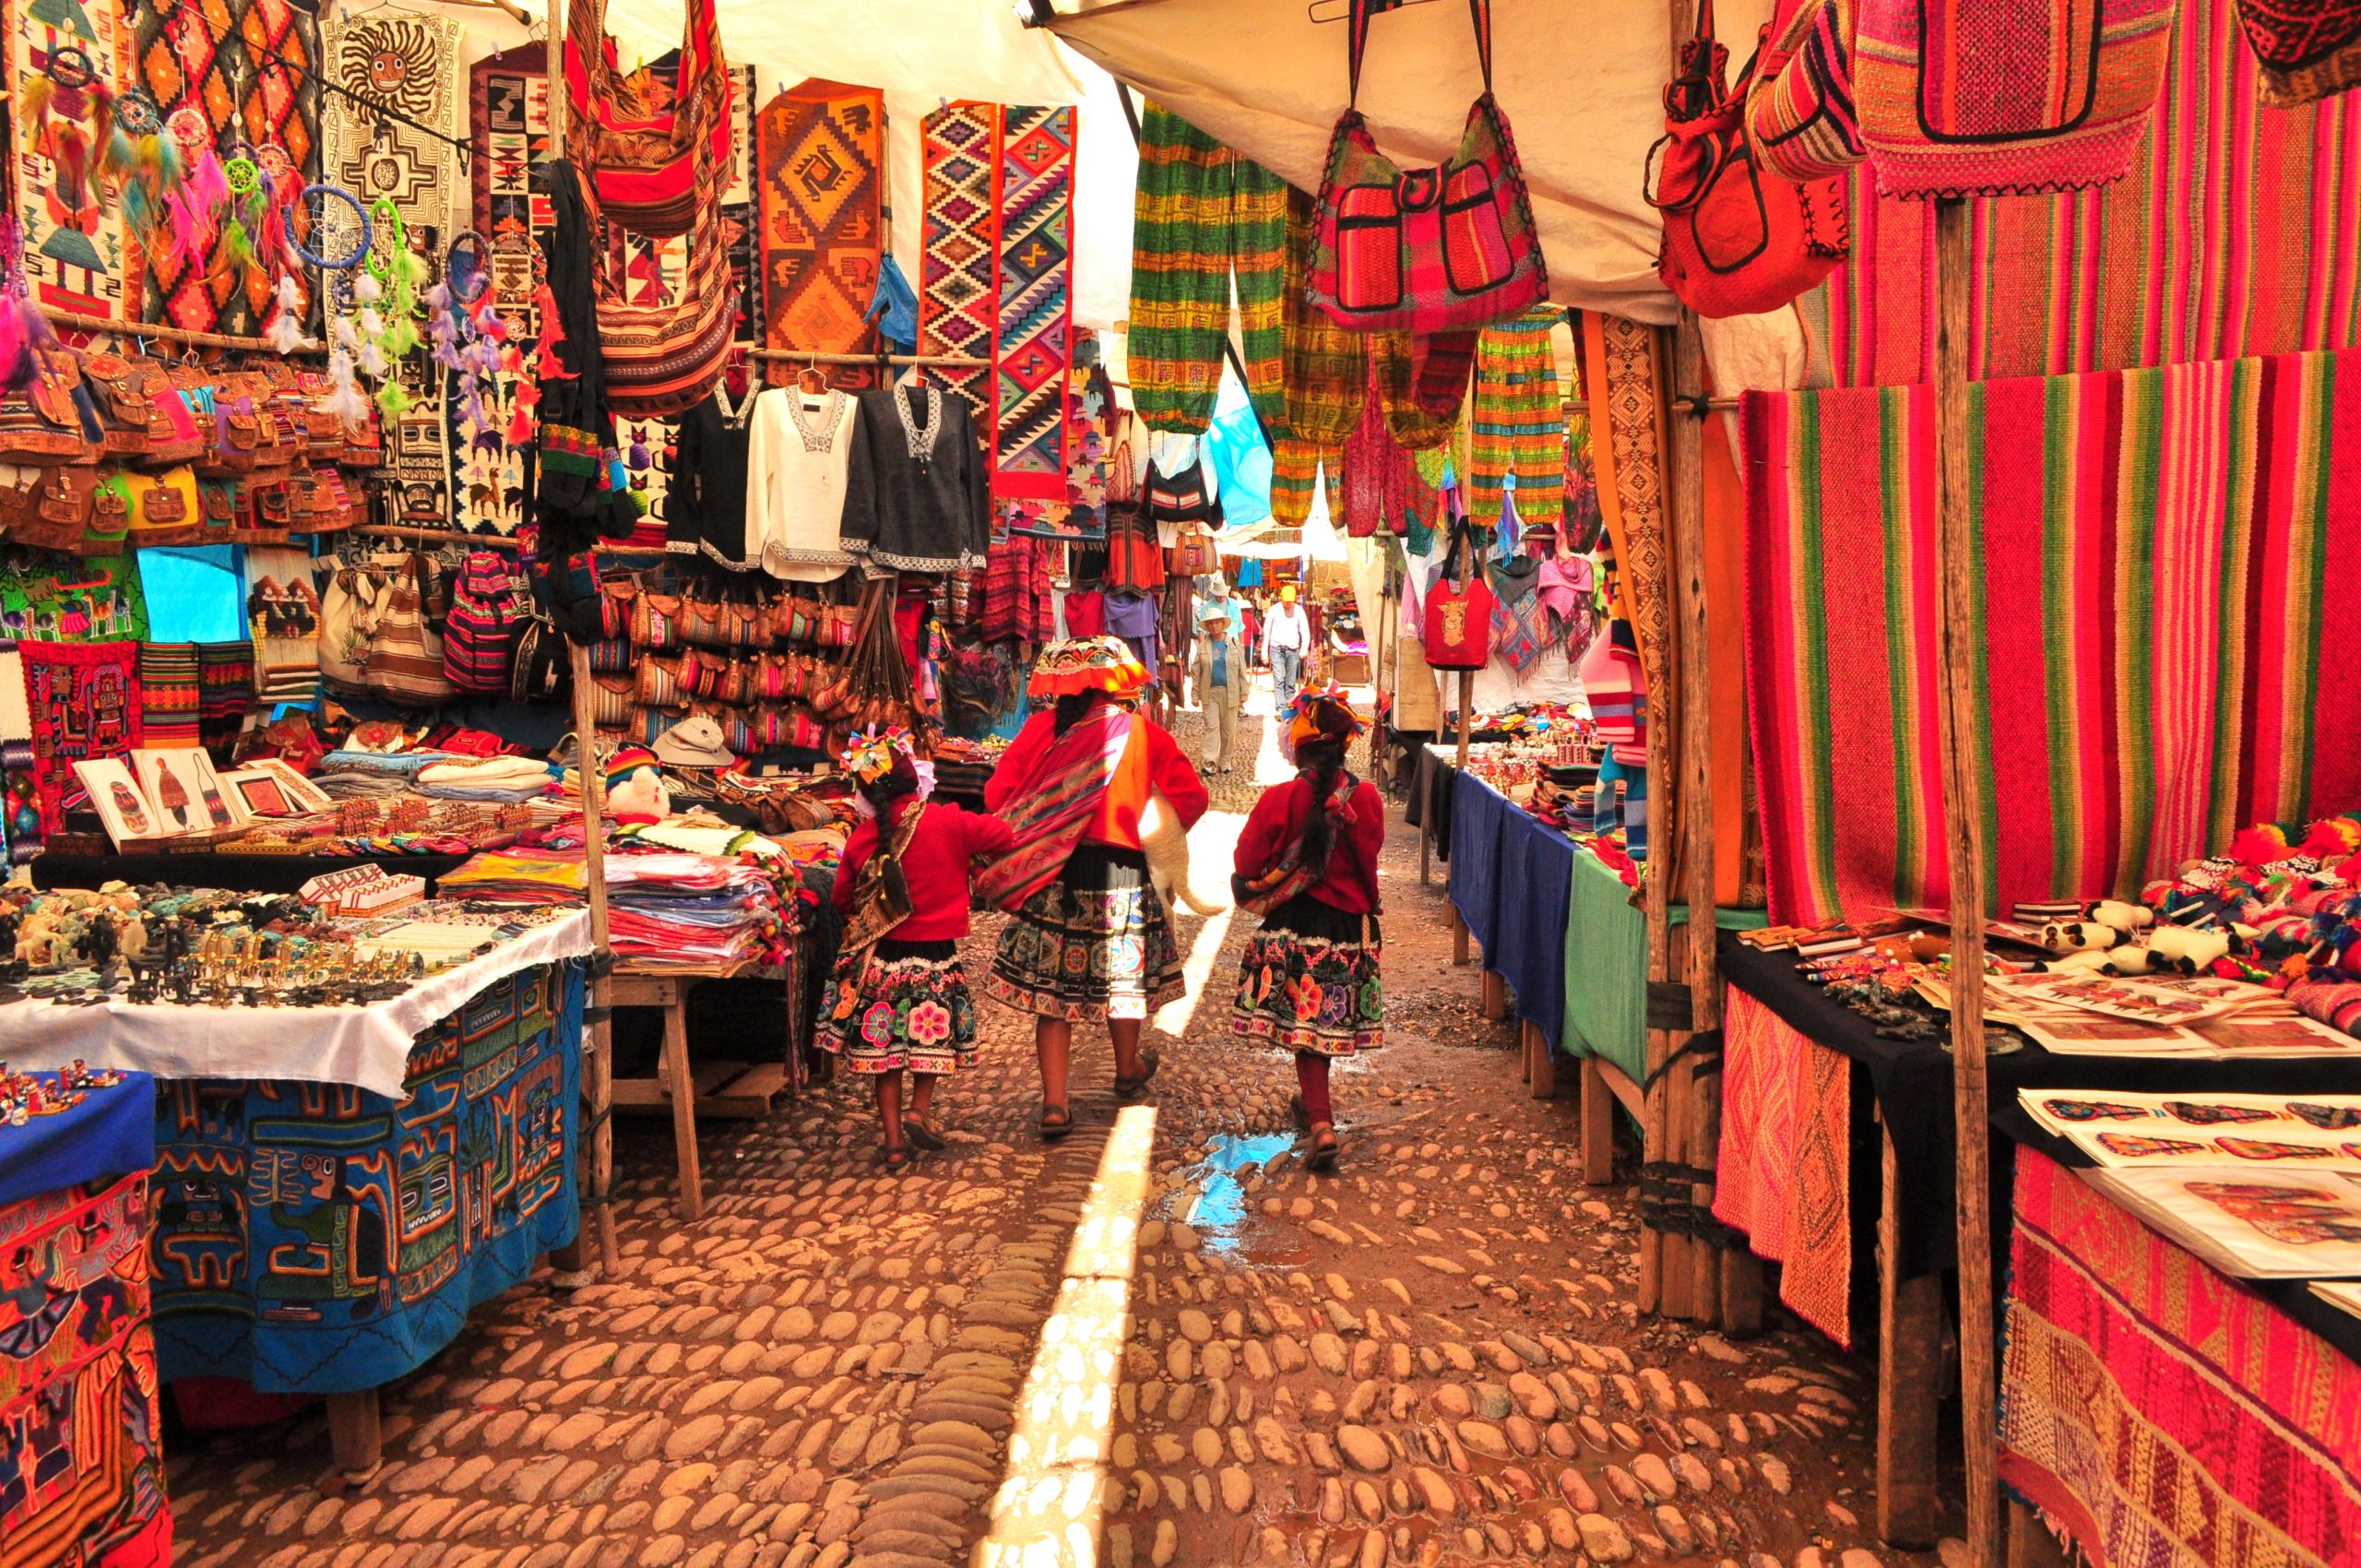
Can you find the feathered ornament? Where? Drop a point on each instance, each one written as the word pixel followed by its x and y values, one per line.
pixel 285 332
pixel 344 399
pixel 117 158
pixel 392 401
pixel 24 330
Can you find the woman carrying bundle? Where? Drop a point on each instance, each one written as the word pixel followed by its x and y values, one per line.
pixel 1306 864
pixel 1090 938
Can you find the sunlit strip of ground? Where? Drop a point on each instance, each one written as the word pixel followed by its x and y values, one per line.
pixel 1047 1511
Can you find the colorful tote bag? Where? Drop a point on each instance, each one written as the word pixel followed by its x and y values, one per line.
pixel 639 138
pixel 1737 239
pixel 1458 623
pixel 1799 114
pixel 2307 48
pixel 1432 249
pixel 1959 98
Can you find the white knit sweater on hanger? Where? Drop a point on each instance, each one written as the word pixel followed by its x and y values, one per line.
pixel 795 482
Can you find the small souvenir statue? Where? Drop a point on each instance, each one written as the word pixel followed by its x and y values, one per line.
pixel 635 791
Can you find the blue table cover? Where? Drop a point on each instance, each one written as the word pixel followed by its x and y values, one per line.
pixel 111 1133
pixel 320 1238
pixel 1509 881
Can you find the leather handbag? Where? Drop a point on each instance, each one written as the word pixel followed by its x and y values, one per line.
pixel 1431 249
pixel 655 621
pixel 53 419
pixel 1458 623
pixel 1193 554
pixel 405 655
pixel 538 673
pixel 1181 496
pixel 1737 239
pixel 1799 115
pixel 119 390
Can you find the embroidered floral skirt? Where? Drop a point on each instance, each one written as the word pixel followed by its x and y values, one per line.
pixel 1309 981
pixel 1095 944
pixel 901 1004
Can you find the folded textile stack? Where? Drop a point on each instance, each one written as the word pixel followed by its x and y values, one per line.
pixel 504 778
pixel 666 909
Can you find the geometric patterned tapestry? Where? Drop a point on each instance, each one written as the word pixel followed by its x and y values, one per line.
pixel 78 257
pixel 821 154
pixel 959 289
pixel 223 57
pixel 2231 238
pixel 410 64
pixel 2166 595
pixel 509 126
pixel 1031 350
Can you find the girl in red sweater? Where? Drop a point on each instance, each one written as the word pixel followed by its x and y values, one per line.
pixel 1088 937
pixel 1307 863
pixel 900 1000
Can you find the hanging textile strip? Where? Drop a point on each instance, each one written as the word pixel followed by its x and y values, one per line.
pixel 84 701
pixel 509 122
pixel 2158 1411
pixel 2305 49
pixel 1327 371
pixel 820 148
pixel 225 685
pixel 959 276
pixel 1181 219
pixel 169 696
pixel 409 63
pixel 213 57
pixel 1383 488
pixel 80 254
pixel 1621 369
pixel 1517 426
pixel 2221 243
pixel 81 1426
pixel 1031 353
pixel 1258 256
pixel 2159 583
pixel 1956 99
pixel 1784 1174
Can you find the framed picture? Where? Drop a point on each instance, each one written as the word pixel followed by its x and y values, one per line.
pixel 185 791
pixel 260 793
pixel 122 806
pixel 301 794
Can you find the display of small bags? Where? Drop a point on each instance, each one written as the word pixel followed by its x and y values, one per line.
pixel 794 619
pixel 119 391
pixel 405 655
pixel 63 511
pixel 707 623
pixel 611 701
pixel 656 682
pixel 175 433
pixel 53 419
pixel 165 509
pixel 611 656
pixel 656 621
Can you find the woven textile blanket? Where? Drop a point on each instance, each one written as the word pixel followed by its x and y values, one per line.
pixel 1784 1168
pixel 2216 246
pixel 508 120
pixel 2154 1410
pixel 1325 369
pixel 84 701
pixel 1519 430
pixel 214 57
pixel 410 64
pixel 1031 346
pixel 79 254
pixel 81 1428
pixel 322 1238
pixel 1179 310
pixel 168 697
pixel 959 281
pixel 820 153
pixel 2307 48
pixel 2163 585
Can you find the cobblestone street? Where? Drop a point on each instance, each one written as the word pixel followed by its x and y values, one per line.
pixel 1432 1356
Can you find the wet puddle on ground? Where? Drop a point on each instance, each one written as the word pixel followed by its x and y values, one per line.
pixel 1213 1203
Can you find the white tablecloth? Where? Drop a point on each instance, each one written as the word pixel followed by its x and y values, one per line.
pixel 364 1047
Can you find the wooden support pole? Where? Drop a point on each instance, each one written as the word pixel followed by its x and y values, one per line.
pixel 355 1433
pixel 597 1040
pixel 1466 723
pixel 2030 1544
pixel 1598 1124
pixel 1956 555
pixel 1541 1063
pixel 1910 1360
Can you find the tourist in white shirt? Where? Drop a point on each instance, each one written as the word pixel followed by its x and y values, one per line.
pixel 1287 634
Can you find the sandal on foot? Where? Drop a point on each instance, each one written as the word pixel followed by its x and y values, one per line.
pixel 1126 1087
pixel 897 1158
pixel 921 1133
pixel 1325 1144
pixel 1056 1123
pixel 1296 1110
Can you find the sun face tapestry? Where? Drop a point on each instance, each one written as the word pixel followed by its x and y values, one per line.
pixel 2217 246
pixel 959 283
pixel 411 64
pixel 227 59
pixel 2162 589
pixel 81 1429
pixel 820 151
pixel 319 1239
pixel 79 255
pixel 1031 344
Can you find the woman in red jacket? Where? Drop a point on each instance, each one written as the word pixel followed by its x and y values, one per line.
pixel 1088 938
pixel 1307 861
pixel 900 1000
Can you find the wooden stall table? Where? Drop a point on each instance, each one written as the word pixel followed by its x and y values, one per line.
pixel 335 1188
pixel 81 1429
pixel 719 1088
pixel 1826 1124
pixel 2154 1409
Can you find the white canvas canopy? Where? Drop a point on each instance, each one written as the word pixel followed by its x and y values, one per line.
pixel 1268 77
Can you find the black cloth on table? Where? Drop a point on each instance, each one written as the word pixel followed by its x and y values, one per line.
pixel 2293 1297
pixel 1912 1080
pixel 236 873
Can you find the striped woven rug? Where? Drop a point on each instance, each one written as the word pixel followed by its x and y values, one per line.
pixel 2230 237
pixel 2165 562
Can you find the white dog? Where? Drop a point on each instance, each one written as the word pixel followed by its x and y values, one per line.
pixel 1166 844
